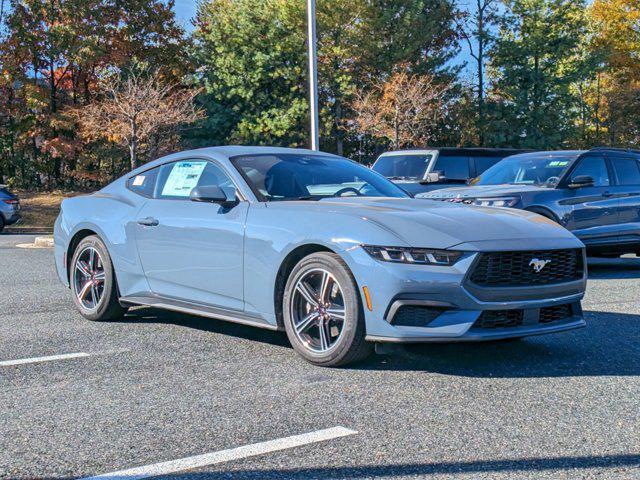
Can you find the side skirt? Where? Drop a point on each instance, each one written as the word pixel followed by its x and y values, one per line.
pixel 196 309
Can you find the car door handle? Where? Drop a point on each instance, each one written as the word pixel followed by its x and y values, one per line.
pixel 149 222
pixel 607 194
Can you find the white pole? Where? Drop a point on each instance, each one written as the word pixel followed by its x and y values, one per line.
pixel 313 75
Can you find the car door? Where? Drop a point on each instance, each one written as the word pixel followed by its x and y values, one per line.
pixel 592 213
pixel 627 190
pixel 192 251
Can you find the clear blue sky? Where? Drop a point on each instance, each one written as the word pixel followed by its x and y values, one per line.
pixel 185 10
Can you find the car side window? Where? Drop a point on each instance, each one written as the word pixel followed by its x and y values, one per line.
pixel 144 183
pixel 177 179
pixel 484 163
pixel 594 167
pixel 454 167
pixel 627 171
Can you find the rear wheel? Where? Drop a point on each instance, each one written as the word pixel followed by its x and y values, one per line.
pixel 93 281
pixel 323 313
pixel 1 223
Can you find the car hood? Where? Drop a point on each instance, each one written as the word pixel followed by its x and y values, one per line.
pixel 425 223
pixel 482 191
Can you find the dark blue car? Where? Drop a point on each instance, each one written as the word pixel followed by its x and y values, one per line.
pixel 9 208
pixel 595 194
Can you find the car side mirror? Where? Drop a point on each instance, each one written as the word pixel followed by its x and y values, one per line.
pixel 214 194
pixel 581 181
pixel 433 177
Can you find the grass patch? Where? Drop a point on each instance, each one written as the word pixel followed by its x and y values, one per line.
pixel 39 210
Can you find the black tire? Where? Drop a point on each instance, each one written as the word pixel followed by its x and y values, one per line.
pixel 1 223
pixel 108 306
pixel 350 345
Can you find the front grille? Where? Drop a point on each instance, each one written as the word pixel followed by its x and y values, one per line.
pixel 415 316
pixel 514 269
pixel 499 319
pixel 551 314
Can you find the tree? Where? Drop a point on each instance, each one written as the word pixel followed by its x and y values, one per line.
pixel 252 60
pixel 139 109
pixel 404 110
pixel 616 41
pixel 253 63
pixel 535 61
pixel 475 29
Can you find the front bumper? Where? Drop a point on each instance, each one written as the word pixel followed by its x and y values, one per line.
pixel 392 286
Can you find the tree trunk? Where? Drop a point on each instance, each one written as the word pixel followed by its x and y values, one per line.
pixel 535 114
pixel 339 135
pixel 52 88
pixel 481 122
pixel 396 128
pixel 133 145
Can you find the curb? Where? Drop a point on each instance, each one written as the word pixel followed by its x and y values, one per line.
pixel 39 242
pixel 43 242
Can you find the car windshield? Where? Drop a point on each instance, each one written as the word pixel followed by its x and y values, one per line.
pixel 527 169
pixel 311 177
pixel 401 167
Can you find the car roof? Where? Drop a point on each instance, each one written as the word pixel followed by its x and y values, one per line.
pixel 551 154
pixel 480 151
pixel 237 150
pixel 226 152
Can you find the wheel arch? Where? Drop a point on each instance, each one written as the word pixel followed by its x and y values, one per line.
pixel 290 261
pixel 73 244
pixel 544 211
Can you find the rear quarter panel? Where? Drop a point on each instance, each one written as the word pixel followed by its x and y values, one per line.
pixel 109 215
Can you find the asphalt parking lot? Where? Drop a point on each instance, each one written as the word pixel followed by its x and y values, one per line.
pixel 161 387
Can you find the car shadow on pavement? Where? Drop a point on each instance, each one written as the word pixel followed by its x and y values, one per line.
pixel 222 327
pixel 420 470
pixel 608 345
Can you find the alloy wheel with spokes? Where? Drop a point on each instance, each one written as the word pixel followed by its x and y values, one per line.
pixel 93 281
pixel 89 277
pixel 322 311
pixel 318 310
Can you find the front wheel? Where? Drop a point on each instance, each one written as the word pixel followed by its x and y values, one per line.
pixel 323 313
pixel 93 281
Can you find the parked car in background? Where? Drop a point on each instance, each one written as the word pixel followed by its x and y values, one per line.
pixel 595 194
pixel 418 171
pixel 9 208
pixel 316 245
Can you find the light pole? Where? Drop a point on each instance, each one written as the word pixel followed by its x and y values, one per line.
pixel 313 75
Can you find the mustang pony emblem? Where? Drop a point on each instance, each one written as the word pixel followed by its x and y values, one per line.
pixel 538 264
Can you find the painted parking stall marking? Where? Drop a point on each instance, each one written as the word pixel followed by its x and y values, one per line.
pixel 198 461
pixel 51 358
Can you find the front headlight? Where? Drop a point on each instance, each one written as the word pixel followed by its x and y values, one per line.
pixel 495 202
pixel 418 256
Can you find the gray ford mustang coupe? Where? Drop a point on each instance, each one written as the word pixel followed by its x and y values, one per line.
pixel 316 245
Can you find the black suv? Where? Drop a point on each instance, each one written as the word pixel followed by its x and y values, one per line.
pixel 418 171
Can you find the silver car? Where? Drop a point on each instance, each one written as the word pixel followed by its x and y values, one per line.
pixel 318 246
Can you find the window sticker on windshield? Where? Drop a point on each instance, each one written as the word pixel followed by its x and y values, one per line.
pixel 139 180
pixel 183 178
pixel 558 163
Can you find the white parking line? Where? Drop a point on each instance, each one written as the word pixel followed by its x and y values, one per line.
pixel 189 463
pixel 24 361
